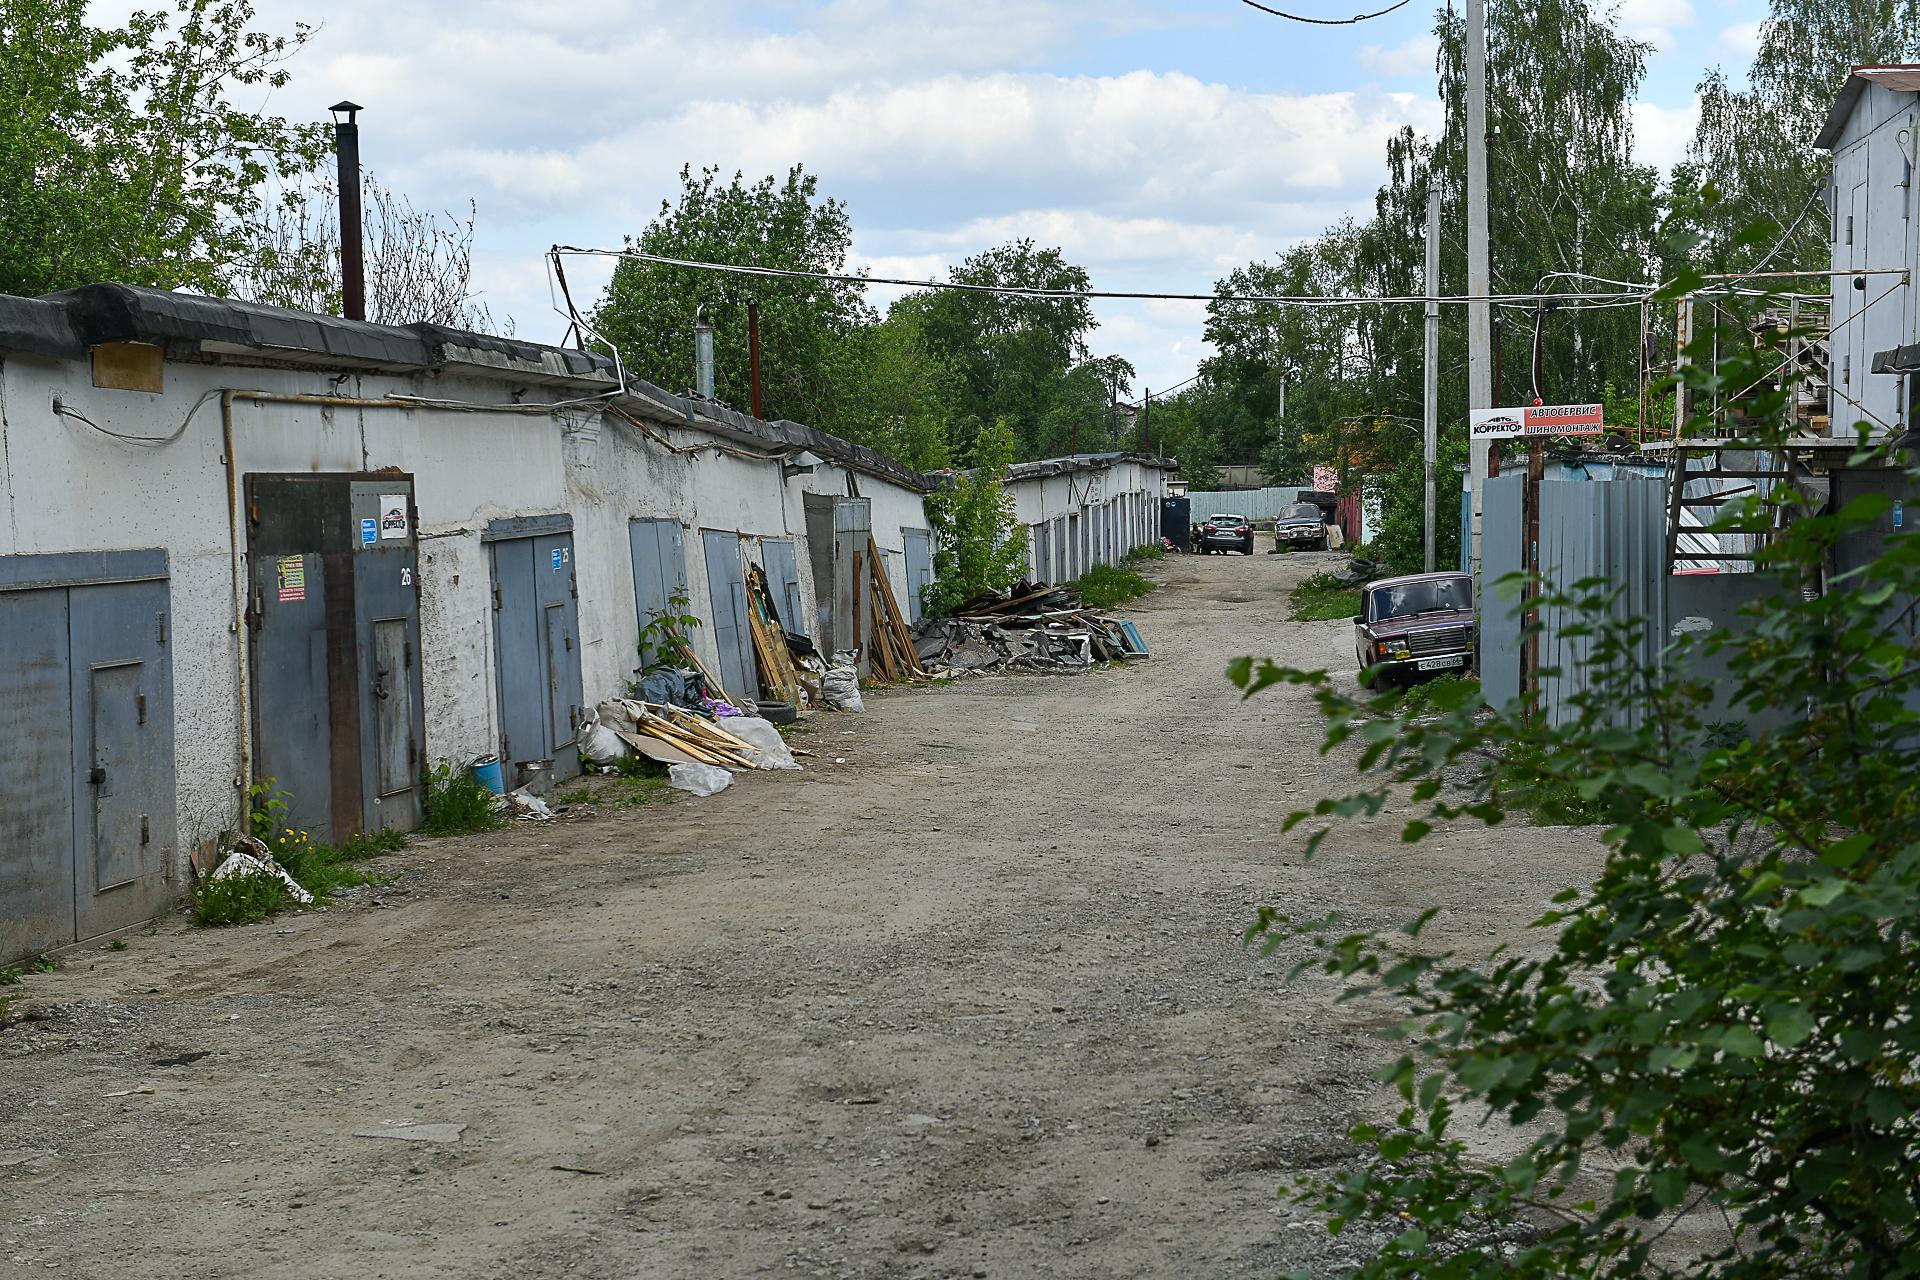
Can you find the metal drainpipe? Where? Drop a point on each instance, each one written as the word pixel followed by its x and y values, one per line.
pixel 244 778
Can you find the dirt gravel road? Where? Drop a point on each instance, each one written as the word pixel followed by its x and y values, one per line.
pixel 972 1003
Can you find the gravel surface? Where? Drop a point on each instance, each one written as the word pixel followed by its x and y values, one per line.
pixel 971 1003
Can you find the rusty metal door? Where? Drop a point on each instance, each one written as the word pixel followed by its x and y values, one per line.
pixel 293 742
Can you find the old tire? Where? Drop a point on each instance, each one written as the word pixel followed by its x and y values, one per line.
pixel 778 712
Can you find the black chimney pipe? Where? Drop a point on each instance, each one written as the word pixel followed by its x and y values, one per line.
pixel 353 266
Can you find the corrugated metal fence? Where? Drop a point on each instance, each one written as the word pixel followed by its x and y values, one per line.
pixel 1609 531
pixel 1254 504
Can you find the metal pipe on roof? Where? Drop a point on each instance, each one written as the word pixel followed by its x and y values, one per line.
pixel 353 267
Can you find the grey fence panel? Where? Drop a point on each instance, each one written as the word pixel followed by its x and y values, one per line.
pixel 1610 532
pixel 1501 530
pixel 1254 504
pixel 1572 546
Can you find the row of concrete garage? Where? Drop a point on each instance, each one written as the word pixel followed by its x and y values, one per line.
pixel 240 543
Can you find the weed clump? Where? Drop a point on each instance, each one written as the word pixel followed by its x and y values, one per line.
pixel 456 803
pixel 1324 598
pixel 1106 585
pixel 238 899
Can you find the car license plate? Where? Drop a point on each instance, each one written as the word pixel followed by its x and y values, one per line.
pixel 1441 664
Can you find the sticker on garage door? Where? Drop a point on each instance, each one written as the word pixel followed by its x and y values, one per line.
pixel 393 515
pixel 291 574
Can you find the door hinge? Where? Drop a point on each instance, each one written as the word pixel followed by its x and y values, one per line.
pixel 145 835
pixel 496 598
pixel 413 753
pixel 406 654
pixel 162 620
pixel 506 747
pixel 568 642
pixel 140 708
pixel 573 585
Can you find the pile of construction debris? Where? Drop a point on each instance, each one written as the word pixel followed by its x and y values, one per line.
pixel 1033 627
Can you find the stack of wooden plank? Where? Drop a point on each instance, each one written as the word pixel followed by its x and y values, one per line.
pixel 779 672
pixel 890 650
pixel 674 735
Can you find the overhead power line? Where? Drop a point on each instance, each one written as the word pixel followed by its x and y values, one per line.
pixel 1324 22
pixel 1630 295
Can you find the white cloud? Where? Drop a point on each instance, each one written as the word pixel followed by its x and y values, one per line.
pixel 1414 57
pixel 1661 134
pixel 1654 20
pixel 1743 38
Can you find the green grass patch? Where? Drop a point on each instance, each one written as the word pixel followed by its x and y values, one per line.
pixel 635 792
pixel 579 795
pixel 1550 801
pixel 1427 697
pixel 1106 585
pixel 1323 598
pixel 42 964
pixel 1145 552
pixel 456 803
pixel 323 870
pixel 10 977
pixel 238 899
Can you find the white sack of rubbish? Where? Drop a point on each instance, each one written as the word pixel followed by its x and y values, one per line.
pixel 765 739
pixel 840 687
pixel 699 779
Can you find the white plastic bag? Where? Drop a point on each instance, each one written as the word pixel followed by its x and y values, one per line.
pixel 841 685
pixel 699 779
pixel 603 746
pixel 765 740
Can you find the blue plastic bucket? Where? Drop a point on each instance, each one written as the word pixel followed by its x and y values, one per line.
pixel 487 772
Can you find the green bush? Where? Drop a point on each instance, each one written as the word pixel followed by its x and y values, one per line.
pixel 456 802
pixel 1146 551
pixel 1700 1063
pixel 1107 585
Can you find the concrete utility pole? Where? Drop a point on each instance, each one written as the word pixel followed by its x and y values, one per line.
pixel 1479 273
pixel 1431 424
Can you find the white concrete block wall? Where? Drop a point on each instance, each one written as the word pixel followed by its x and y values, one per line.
pixel 1096 515
pixel 66 487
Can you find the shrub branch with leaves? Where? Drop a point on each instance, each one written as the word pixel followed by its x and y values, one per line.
pixel 1722 1029
pixel 979 543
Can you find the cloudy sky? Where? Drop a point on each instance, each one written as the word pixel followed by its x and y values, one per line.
pixel 1158 142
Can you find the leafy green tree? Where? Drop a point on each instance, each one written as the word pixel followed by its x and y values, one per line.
pixel 1573 204
pixel 1014 354
pixel 122 155
pixel 1754 142
pixel 1717 1030
pixel 896 394
pixel 1186 426
pixel 648 310
pixel 1286 461
pixel 979 542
